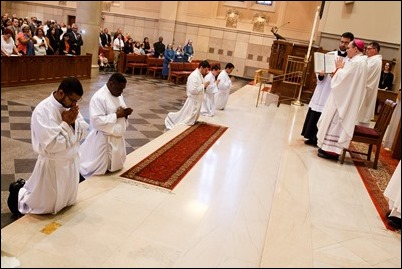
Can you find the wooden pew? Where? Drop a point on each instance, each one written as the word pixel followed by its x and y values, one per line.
pixel 154 65
pixel 29 70
pixel 134 61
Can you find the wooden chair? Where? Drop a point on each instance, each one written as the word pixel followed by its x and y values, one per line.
pixel 372 136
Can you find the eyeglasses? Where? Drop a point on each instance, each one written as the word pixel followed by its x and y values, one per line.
pixel 73 100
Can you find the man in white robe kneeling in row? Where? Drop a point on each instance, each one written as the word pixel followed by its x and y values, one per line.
pixel 57 128
pixel 104 149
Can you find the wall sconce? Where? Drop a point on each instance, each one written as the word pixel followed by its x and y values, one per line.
pixel 232 16
pixel 259 21
pixel 106 5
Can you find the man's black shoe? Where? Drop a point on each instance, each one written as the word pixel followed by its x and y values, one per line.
pixel 394 222
pixel 12 200
pixel 310 142
pixel 325 155
pixel 81 178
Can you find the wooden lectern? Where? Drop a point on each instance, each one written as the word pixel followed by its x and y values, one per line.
pixel 281 52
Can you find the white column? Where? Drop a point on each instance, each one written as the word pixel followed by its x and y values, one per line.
pixel 88 19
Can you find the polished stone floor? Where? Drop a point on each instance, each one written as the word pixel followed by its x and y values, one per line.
pixel 259 197
pixel 151 99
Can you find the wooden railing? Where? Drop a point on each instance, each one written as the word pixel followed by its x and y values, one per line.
pixel 27 70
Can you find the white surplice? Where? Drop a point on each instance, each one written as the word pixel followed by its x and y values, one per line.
pixel 366 113
pixel 222 96
pixel 208 105
pixel 393 192
pixel 337 122
pixel 104 149
pixel 321 93
pixel 53 184
pixel 190 112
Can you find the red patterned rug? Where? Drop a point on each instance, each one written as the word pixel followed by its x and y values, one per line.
pixel 170 163
pixel 376 180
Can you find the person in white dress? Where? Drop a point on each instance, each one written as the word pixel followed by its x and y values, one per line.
pixel 104 149
pixel 195 87
pixel 57 128
pixel 208 105
pixel 337 121
pixel 374 64
pixel 393 194
pixel 225 83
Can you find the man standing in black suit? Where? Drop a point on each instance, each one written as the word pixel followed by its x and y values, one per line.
pixel 105 37
pixel 159 48
pixel 76 40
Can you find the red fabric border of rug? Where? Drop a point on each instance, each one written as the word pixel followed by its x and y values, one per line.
pixel 170 163
pixel 385 168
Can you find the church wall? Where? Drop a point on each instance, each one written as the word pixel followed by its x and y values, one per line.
pixel 247 47
pixel 369 21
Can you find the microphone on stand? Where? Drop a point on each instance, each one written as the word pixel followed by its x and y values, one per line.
pixel 275 29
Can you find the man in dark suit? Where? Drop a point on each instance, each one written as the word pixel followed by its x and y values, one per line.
pixel 105 37
pixel 159 48
pixel 76 40
pixel 15 28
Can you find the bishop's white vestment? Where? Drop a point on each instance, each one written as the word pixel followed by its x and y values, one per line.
pixel 337 121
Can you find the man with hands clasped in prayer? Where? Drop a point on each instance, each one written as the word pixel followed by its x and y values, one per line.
pixel 57 128
pixel 195 87
pixel 104 149
pixel 208 105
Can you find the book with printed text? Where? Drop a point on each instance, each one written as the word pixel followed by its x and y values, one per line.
pixel 324 62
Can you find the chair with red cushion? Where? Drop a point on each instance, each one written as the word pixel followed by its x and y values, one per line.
pixel 372 136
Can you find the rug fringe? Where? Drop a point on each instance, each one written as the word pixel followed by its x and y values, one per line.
pixel 145 185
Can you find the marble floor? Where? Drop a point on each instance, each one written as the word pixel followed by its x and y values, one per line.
pixel 259 197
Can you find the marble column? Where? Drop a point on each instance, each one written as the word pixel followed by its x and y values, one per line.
pixel 167 21
pixel 88 19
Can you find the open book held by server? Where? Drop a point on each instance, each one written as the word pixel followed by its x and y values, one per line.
pixel 324 62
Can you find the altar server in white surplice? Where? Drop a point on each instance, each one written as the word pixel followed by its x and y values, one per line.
pixel 348 88
pixel 393 193
pixel 225 83
pixel 195 87
pixel 208 105
pixel 57 128
pixel 104 149
pixel 374 64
